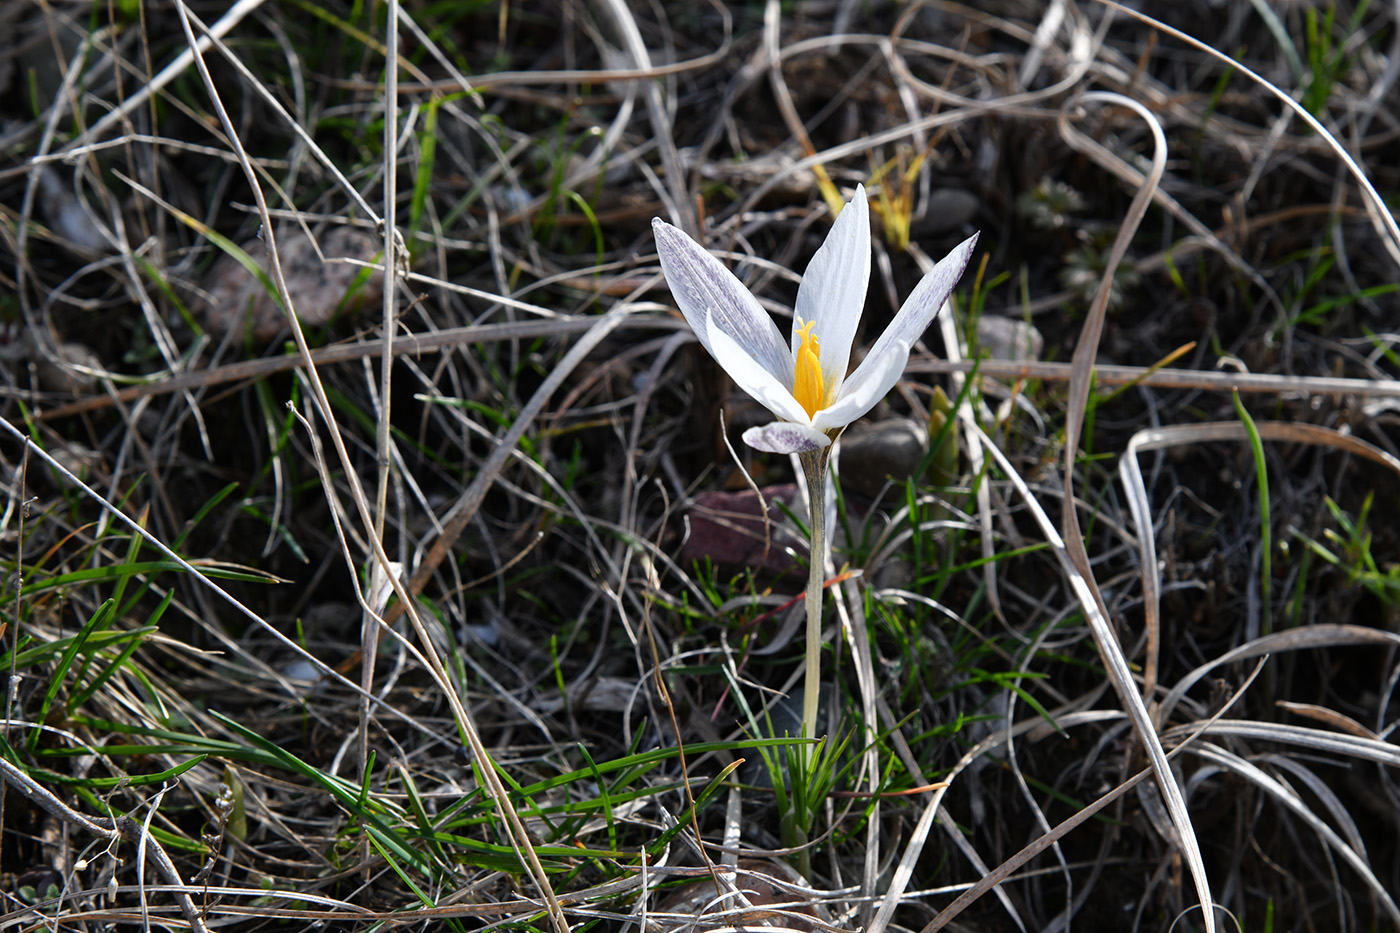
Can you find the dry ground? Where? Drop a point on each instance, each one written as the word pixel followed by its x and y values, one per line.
pixel 228 719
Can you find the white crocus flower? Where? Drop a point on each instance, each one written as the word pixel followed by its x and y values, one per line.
pixel 804 382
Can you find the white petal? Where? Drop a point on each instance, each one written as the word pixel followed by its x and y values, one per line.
pixel 753 378
pixel 706 291
pixel 909 324
pixel 833 289
pixel 785 437
pixel 878 376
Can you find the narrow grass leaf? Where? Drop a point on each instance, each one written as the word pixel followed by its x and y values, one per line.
pixel 59 675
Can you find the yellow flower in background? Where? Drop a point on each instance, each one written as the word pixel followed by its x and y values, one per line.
pixel 804 382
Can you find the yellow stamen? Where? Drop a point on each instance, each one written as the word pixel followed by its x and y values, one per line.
pixel 808 387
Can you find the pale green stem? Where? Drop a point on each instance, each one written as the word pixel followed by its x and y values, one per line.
pixel 814 466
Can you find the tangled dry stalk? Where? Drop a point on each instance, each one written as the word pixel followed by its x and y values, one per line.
pixel 457 607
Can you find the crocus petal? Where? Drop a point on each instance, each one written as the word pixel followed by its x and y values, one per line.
pixel 785 437
pixel 706 291
pixel 878 376
pixel 908 325
pixel 832 293
pixel 750 376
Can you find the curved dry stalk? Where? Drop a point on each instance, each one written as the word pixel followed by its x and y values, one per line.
pixel 1073 551
pixel 1286 796
pixel 992 880
pixel 1381 217
pixel 1115 164
pixel 1111 654
pixel 1314 740
pixel 1295 639
pixel 1130 472
pixel 1083 64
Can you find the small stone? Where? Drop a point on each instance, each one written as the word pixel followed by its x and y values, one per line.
pixel 317 289
pixel 73 372
pixel 873 455
pixel 1008 338
pixel 727 528
pixel 948 210
pixel 67 218
pixel 40 478
pixel 70 368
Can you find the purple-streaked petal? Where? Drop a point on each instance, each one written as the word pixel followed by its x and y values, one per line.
pixel 785 437
pixel 750 376
pixel 878 376
pixel 706 291
pixel 832 292
pixel 909 324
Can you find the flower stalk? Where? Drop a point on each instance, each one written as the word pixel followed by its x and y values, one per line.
pixel 814 466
